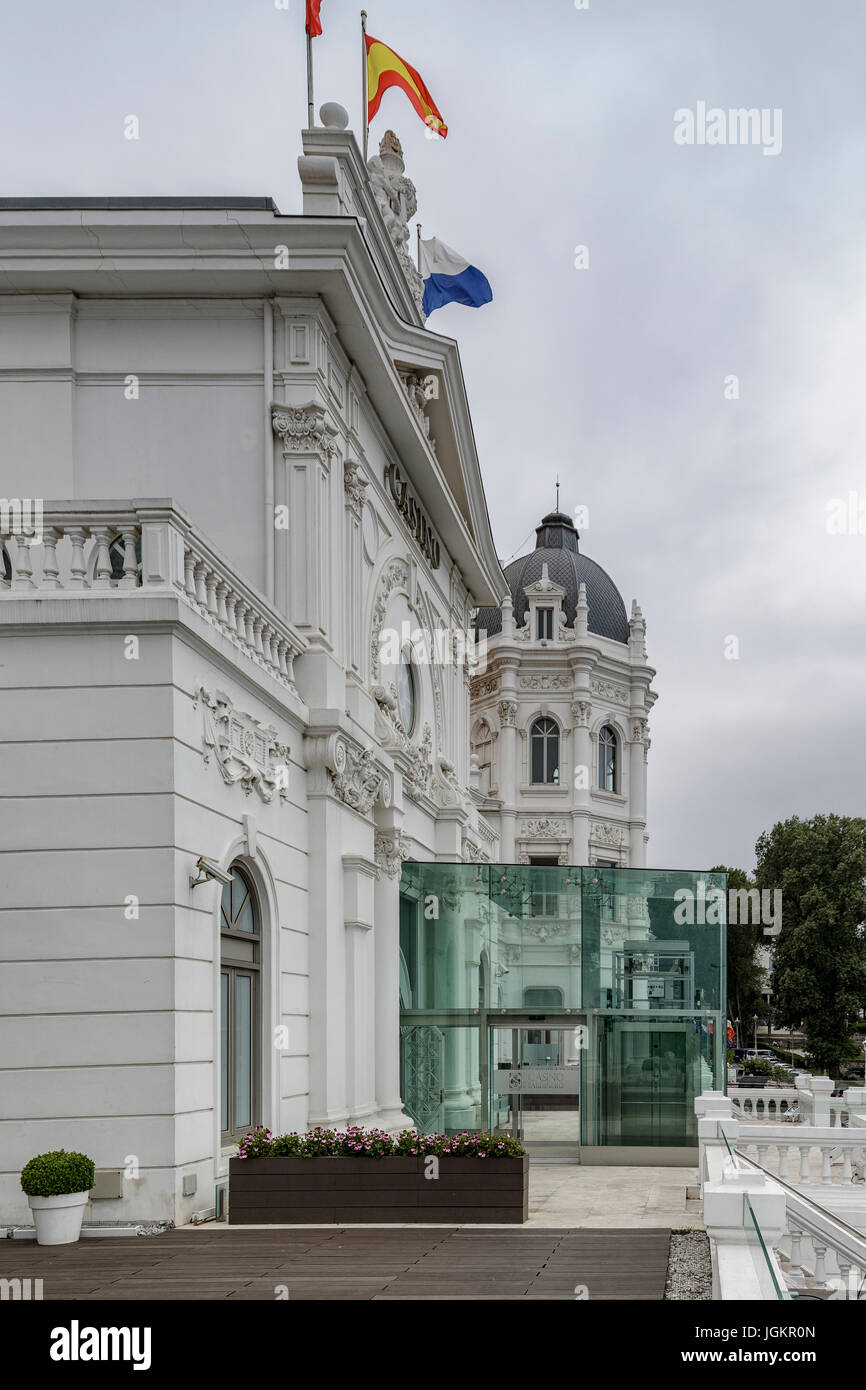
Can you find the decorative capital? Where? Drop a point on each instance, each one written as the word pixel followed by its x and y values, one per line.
pixel 355 486
pixel 392 850
pixel 580 713
pixel 305 429
pixel 638 731
pixel 507 713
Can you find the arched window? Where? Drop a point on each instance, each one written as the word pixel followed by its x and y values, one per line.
pixel 544 751
pixel 240 1031
pixel 608 771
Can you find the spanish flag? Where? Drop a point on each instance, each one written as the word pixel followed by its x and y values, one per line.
pixel 314 23
pixel 385 69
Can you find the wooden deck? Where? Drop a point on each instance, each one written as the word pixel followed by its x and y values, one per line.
pixel 221 1262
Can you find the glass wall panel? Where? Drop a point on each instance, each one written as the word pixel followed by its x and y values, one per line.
pixel 632 959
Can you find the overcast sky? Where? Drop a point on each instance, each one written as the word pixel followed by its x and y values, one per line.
pixel 705 261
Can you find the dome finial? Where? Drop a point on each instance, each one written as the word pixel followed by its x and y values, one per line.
pixel 557 492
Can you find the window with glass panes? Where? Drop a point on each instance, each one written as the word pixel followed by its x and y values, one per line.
pixel 607 769
pixel 240 983
pixel 544 751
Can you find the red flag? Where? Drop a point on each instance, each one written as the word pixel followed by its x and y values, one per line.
pixel 385 69
pixel 314 23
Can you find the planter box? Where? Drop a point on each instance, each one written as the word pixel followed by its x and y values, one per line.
pixel 346 1191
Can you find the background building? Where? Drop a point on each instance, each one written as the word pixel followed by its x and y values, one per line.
pixel 559 713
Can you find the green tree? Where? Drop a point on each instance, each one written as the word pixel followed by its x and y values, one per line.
pixel 745 973
pixel 819 958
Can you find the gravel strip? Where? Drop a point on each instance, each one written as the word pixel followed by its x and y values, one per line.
pixel 690 1273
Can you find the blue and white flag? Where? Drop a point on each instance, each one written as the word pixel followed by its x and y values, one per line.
pixel 450 279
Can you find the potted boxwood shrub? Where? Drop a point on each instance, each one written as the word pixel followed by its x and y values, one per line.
pixel 58 1185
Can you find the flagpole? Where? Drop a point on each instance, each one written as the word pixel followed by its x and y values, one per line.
pixel 310 102
pixel 364 104
pixel 418 230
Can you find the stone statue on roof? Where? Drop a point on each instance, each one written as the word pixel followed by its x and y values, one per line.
pixel 398 204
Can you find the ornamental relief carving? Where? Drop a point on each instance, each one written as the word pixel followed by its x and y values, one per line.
pixel 543 681
pixel 473 853
pixel 247 752
pixel 638 731
pixel 606 834
pixel 418 775
pixel 305 429
pixel 357 779
pixel 421 388
pixel 395 576
pixel 606 690
pixel 545 828
pixel 488 686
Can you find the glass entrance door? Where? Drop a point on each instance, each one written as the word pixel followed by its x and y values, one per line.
pixel 534 1074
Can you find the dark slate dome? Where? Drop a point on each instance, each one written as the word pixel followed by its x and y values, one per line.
pixel 556 546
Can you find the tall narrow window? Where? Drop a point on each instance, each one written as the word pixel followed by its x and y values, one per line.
pixel 240 1031
pixel 607 768
pixel 544 623
pixel 544 751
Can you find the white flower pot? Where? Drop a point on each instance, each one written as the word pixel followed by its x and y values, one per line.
pixel 58 1219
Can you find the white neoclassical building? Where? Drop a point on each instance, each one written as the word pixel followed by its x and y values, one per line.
pixel 560 711
pixel 236 463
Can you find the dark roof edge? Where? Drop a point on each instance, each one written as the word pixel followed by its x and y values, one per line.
pixel 142 204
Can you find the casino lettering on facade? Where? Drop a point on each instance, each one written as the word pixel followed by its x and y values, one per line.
pixel 413 515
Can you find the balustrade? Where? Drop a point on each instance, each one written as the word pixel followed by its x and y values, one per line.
pixel 93 548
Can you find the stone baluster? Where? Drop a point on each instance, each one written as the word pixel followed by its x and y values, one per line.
pixel 782 1149
pixel 846 1165
pixel 283 651
pixel 50 567
pixel 189 574
pixel 77 567
pixel 796 1258
pixel 820 1265
pixel 231 617
pixel 23 568
pixel 258 624
pixel 200 572
pixel 804 1161
pixel 762 1154
pixel 222 616
pixel 844 1264
pixel 130 563
pixel 826 1175
pixel 102 566
pixel 210 584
